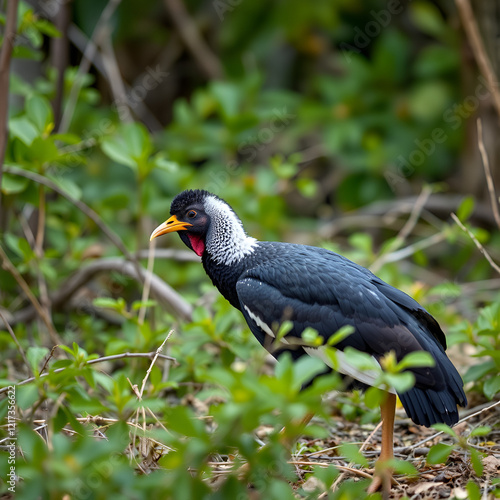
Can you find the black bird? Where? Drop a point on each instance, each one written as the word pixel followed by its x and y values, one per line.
pixel 270 282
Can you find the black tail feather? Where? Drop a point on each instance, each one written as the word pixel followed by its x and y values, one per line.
pixel 427 407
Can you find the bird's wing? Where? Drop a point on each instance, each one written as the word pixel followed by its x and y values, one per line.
pixel 324 291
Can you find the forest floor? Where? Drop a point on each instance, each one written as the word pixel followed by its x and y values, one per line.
pixel 411 443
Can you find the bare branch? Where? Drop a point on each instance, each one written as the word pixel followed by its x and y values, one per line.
pixel 166 295
pixel 84 67
pixel 487 172
pixel 405 230
pixel 188 31
pixel 470 26
pixel 5 56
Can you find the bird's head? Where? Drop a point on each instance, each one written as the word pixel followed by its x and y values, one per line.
pixel 206 223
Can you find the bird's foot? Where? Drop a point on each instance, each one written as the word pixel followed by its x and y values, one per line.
pixel 382 480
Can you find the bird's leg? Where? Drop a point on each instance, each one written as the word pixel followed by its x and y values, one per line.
pixel 286 440
pixel 383 474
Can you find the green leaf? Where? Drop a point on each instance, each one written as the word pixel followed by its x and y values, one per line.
pixel 374 396
pixel 39 111
pixel 361 360
pixel 109 303
pixel 35 355
pixel 416 359
pixel 137 140
pixel 491 386
pixel 140 303
pixel 162 163
pixel 477 372
pixel 43 150
pixel 439 453
pixel 446 429
pixel 341 334
pixel 305 369
pixel 13 184
pixel 402 382
pixel 473 490
pixel 20 246
pixel 326 475
pixel 477 462
pixel 466 208
pixel 284 328
pixel 311 337
pixel 352 453
pixel 427 18
pixel 403 467
pixel 180 419
pixel 47 28
pixel 480 431
pixel 23 129
pixel 307 187
pixel 118 153
pixel 228 95
pixel 67 185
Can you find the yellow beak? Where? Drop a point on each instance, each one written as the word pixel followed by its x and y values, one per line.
pixel 170 226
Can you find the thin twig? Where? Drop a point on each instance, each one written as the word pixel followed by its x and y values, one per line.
pixel 471 29
pixel 147 282
pixel 114 76
pixel 164 293
pixel 188 31
pixel 5 56
pixel 114 357
pixel 8 266
pixel 340 467
pixel 430 438
pixel 14 338
pixel 49 357
pixel 493 264
pixel 405 230
pixel 39 251
pixel 415 247
pixel 84 67
pixel 153 361
pixel 487 172
pixel 173 51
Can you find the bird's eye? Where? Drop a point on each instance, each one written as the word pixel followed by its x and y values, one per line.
pixel 191 214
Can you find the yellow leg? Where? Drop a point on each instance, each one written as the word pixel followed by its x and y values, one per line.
pixel 383 474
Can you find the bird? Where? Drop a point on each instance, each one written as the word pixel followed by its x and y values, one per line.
pixel 307 286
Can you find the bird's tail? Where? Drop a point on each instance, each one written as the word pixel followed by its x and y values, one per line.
pixel 427 406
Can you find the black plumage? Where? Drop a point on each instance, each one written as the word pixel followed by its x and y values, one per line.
pixel 272 282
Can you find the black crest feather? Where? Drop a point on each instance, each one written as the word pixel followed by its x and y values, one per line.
pixel 187 198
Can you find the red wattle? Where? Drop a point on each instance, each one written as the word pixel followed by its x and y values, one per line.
pixel 197 244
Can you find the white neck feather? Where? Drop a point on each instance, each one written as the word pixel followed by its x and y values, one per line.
pixel 226 242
